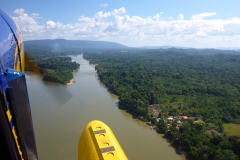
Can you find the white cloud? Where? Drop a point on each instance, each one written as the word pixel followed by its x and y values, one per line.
pixel 120 27
pixel 118 11
pixel 50 24
pixel 35 15
pixel 27 23
pixel 101 16
pixel 180 17
pixel 203 15
pixel 19 11
pixel 104 5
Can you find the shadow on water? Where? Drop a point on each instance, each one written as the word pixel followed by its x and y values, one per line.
pixel 59 92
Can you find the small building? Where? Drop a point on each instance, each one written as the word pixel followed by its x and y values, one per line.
pixel 157 119
pixel 170 118
pixel 184 117
pixel 179 122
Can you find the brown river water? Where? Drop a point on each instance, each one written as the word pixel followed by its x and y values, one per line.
pixel 60 113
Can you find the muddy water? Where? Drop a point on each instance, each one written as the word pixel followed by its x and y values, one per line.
pixel 60 113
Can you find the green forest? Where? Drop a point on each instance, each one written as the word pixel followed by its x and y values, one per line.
pixel 203 86
pixel 54 67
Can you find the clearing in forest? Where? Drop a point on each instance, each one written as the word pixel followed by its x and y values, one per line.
pixel 232 129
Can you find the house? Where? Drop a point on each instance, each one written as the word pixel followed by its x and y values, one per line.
pixel 179 122
pixel 184 117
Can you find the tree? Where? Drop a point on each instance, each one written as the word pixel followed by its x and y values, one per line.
pixel 225 155
pixel 161 125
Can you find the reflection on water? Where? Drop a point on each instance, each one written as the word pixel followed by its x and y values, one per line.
pixel 60 113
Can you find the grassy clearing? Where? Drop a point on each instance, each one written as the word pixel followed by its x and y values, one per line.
pixel 232 129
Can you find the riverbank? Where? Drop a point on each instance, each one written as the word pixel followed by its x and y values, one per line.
pixel 71 82
pixel 154 111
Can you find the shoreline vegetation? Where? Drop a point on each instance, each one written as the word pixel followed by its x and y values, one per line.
pixel 193 95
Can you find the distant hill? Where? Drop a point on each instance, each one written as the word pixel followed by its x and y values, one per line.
pixel 230 48
pixel 180 47
pixel 164 47
pixel 62 44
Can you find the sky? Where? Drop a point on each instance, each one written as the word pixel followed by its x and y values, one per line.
pixel 135 23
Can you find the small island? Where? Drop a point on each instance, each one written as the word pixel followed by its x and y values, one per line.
pixel 58 69
pixel 55 67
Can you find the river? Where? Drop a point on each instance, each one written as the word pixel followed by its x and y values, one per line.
pixel 60 113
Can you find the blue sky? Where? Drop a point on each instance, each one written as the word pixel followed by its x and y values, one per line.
pixel 202 23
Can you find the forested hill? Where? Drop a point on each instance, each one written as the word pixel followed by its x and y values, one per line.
pixel 62 44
